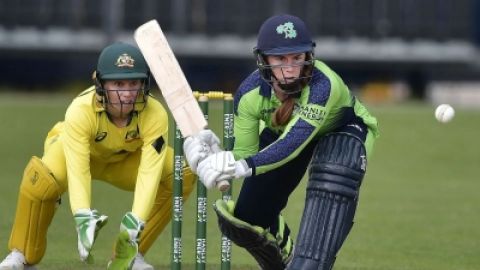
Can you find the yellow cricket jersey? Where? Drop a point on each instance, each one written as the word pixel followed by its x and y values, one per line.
pixel 89 137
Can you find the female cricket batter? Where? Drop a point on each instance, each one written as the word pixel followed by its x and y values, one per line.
pixel 311 118
pixel 115 132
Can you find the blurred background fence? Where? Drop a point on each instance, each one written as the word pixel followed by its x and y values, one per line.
pixel 374 44
pixel 438 20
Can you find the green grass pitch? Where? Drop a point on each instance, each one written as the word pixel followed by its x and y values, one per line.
pixel 419 206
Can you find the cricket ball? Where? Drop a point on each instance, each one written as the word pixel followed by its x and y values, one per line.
pixel 444 113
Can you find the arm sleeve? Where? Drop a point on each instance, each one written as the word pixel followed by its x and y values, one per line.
pixel 298 134
pixel 76 138
pixel 154 149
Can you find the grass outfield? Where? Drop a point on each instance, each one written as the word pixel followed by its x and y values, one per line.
pixel 419 205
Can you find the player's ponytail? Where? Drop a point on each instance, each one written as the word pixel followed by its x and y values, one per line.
pixel 282 114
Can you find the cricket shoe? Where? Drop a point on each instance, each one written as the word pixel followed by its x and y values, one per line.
pixel 141 264
pixel 15 261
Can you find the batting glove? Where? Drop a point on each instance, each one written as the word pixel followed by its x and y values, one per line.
pixel 88 224
pixel 196 148
pixel 222 166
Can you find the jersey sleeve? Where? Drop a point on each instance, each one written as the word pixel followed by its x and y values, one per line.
pixel 298 134
pixel 154 125
pixel 246 129
pixel 78 127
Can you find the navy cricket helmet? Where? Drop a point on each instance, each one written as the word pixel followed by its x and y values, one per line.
pixel 284 34
pixel 281 35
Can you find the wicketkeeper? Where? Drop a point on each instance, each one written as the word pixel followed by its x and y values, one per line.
pixel 114 132
pixel 306 117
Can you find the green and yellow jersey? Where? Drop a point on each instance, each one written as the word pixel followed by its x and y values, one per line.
pixel 324 105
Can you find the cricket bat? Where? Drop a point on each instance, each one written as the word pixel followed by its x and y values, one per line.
pixel 172 82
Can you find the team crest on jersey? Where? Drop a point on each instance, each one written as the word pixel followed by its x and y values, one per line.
pixel 125 61
pixel 131 135
pixel 100 136
pixel 288 29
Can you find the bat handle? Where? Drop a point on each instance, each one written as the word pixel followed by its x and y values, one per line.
pixel 223 185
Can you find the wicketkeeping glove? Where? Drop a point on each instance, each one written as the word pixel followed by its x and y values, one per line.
pixel 88 224
pixel 133 225
pixel 125 253
pixel 222 166
pixel 197 148
pixel 126 246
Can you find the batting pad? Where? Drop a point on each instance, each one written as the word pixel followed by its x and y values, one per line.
pixel 335 176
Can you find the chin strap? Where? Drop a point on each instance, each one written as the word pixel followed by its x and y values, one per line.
pixel 290 88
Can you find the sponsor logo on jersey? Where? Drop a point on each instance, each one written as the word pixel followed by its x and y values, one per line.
pixel 120 152
pixel 312 112
pixel 100 136
pixel 131 135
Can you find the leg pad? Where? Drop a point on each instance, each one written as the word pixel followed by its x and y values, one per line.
pixel 336 172
pixel 37 201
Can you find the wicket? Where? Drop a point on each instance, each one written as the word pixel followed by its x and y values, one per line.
pixel 201 226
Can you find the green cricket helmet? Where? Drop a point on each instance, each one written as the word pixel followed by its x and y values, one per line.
pixel 122 61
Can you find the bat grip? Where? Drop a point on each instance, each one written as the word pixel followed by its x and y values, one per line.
pixel 223 185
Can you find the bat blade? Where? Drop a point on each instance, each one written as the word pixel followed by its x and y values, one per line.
pixel 172 82
pixel 170 78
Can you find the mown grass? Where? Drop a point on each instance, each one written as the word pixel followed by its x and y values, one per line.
pixel 418 209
